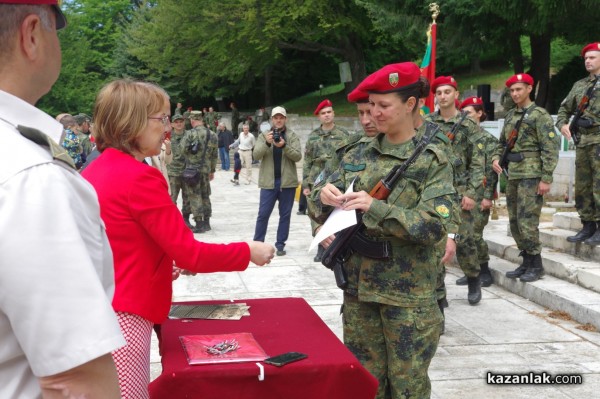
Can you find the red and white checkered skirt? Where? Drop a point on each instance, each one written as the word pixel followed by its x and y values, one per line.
pixel 133 360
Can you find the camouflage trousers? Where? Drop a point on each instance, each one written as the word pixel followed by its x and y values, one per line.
pixel 176 184
pixel 466 245
pixel 396 344
pixel 587 182
pixel 199 197
pixel 524 208
pixel 480 220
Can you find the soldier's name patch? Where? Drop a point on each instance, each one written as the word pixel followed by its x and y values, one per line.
pixel 442 207
pixel 354 168
pixel 319 178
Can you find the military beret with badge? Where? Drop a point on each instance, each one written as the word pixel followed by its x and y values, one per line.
pixel 590 47
pixel 443 81
pixel 391 78
pixel 324 104
pixel 520 78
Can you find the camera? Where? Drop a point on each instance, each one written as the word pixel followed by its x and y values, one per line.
pixel 194 148
pixel 276 135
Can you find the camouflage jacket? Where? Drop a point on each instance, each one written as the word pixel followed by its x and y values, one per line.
pixel 210 119
pixel 198 135
pixel 569 106
pixel 490 179
pixel 468 158
pixel 536 135
pixel 86 144
pixel 320 147
pixel 177 165
pixel 411 219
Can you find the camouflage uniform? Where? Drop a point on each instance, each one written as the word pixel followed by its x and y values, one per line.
pixel 587 156
pixel 175 171
pixel 86 144
pixel 485 191
pixel 199 195
pixel 210 118
pixel 539 143
pixel 468 159
pixel 391 320
pixel 320 148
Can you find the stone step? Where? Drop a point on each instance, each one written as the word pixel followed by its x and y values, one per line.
pixel 582 304
pixel 572 269
pixel 567 221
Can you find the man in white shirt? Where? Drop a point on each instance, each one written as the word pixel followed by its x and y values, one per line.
pixel 245 142
pixel 57 326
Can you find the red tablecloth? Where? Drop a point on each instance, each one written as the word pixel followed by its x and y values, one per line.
pixel 279 325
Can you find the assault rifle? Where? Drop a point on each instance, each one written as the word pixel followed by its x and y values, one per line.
pixel 339 251
pixel 452 133
pixel 583 104
pixel 510 143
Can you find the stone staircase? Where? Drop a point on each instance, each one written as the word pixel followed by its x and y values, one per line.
pixel 572 280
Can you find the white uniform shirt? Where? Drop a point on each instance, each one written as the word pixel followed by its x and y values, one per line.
pixel 56 267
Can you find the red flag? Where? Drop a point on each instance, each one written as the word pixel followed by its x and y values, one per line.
pixel 428 64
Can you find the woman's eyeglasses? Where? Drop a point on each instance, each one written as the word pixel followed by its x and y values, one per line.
pixel 164 119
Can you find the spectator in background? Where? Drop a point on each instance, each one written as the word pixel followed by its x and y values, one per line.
pixel 71 142
pixel 57 328
pixel 83 133
pixel 225 139
pixel 279 150
pixel 235 119
pixel 132 119
pixel 245 144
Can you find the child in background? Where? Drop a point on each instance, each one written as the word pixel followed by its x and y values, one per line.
pixel 237 166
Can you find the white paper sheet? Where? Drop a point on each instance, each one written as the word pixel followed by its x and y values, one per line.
pixel 338 220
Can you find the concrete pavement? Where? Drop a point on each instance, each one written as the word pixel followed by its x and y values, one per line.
pixel 503 334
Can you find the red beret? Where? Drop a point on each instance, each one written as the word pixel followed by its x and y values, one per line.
pixel 471 101
pixel 323 104
pixel 61 21
pixel 390 78
pixel 358 96
pixel 519 78
pixel 590 47
pixel 443 81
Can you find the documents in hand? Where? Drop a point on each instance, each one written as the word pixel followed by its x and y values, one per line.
pixel 229 311
pixel 222 348
pixel 338 220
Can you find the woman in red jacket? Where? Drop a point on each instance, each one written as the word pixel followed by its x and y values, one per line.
pixel 144 226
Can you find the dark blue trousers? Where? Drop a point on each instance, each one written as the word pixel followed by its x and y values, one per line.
pixel 285 197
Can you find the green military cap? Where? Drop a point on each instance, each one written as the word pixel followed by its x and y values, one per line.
pixel 177 117
pixel 81 118
pixel 196 115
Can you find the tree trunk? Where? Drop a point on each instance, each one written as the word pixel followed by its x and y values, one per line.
pixel 516 52
pixel 540 67
pixel 268 87
pixel 355 56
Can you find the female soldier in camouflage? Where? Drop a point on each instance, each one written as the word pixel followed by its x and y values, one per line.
pixel 391 319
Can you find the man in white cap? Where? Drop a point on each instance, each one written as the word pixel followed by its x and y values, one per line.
pixel 57 325
pixel 278 150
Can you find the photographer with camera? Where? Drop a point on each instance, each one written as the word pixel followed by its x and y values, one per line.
pixel 279 150
pixel 200 150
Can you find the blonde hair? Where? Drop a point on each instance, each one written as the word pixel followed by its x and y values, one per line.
pixel 121 113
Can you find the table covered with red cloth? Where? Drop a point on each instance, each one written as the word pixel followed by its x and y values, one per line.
pixel 279 325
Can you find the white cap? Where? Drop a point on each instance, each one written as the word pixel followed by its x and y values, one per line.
pixel 278 110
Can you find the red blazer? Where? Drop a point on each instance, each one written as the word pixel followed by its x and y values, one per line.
pixel 146 233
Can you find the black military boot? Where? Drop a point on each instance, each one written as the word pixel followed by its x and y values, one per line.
pixel 534 271
pixel 595 239
pixel 461 281
pixel 519 271
pixel 588 230
pixel 474 295
pixel 207 223
pixel 485 275
pixel 199 226
pixel 186 219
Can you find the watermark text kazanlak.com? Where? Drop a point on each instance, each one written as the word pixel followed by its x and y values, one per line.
pixel 533 378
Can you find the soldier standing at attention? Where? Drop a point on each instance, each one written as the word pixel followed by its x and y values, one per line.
pixel 485 194
pixel 320 148
pixel 531 163
pixel 468 159
pixel 200 150
pixel 176 167
pixel 389 296
pixel 587 153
